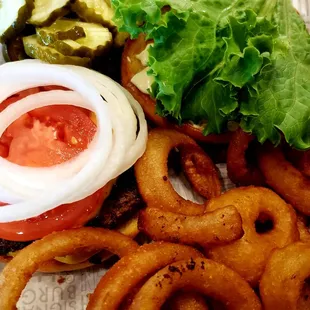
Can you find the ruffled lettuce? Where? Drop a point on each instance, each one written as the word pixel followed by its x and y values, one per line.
pixel 222 60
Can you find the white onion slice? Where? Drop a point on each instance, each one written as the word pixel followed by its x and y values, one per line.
pixel 115 147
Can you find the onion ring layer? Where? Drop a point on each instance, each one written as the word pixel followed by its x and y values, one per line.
pixel 256 205
pixel 113 150
pixel 238 169
pixel 214 228
pixel 18 272
pixel 284 178
pixel 282 282
pixel 202 275
pixel 128 272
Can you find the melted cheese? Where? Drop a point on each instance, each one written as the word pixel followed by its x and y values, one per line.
pixel 141 80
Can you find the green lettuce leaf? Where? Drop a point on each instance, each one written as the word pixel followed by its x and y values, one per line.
pixel 246 61
pixel 282 103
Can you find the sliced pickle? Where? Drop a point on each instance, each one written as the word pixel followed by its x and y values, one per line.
pixel 120 38
pixel 95 11
pixel 61 29
pixel 48 54
pixel 98 40
pixel 13 17
pixel 45 12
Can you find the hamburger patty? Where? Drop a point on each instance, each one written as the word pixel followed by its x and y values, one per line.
pixel 123 202
pixel 11 246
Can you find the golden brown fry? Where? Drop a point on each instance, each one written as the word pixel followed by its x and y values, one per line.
pixel 303 229
pixel 18 272
pixel 201 172
pixel 184 300
pixel 257 206
pixel 128 272
pixel 200 274
pixel 300 159
pixel 282 283
pixel 238 169
pixel 152 173
pixel 284 178
pixel 130 229
pixel 214 228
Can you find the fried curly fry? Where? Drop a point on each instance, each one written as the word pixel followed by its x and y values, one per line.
pixel 300 159
pixel 200 274
pixel 213 228
pixel 238 169
pixel 184 300
pixel 18 272
pixel 281 286
pixel 81 256
pixel 284 178
pixel 257 206
pixel 303 229
pixel 152 173
pixel 128 272
pixel 201 172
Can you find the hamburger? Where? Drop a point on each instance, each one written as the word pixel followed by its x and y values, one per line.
pixel 207 68
pixel 46 148
pixel 135 79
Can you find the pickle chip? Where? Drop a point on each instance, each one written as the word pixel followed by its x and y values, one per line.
pixel 120 38
pixel 61 29
pixel 48 54
pixel 98 40
pixel 13 17
pixel 95 11
pixel 45 12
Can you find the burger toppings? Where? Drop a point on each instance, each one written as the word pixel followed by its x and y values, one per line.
pixel 142 80
pixel 67 157
pixel 221 61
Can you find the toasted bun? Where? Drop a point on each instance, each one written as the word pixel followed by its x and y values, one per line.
pixel 131 65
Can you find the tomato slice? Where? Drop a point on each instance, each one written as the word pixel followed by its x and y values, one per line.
pixel 41 138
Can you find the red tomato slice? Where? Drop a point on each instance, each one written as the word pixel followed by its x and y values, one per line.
pixel 46 137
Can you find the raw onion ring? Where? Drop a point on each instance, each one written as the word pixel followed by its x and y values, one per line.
pixel 113 150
